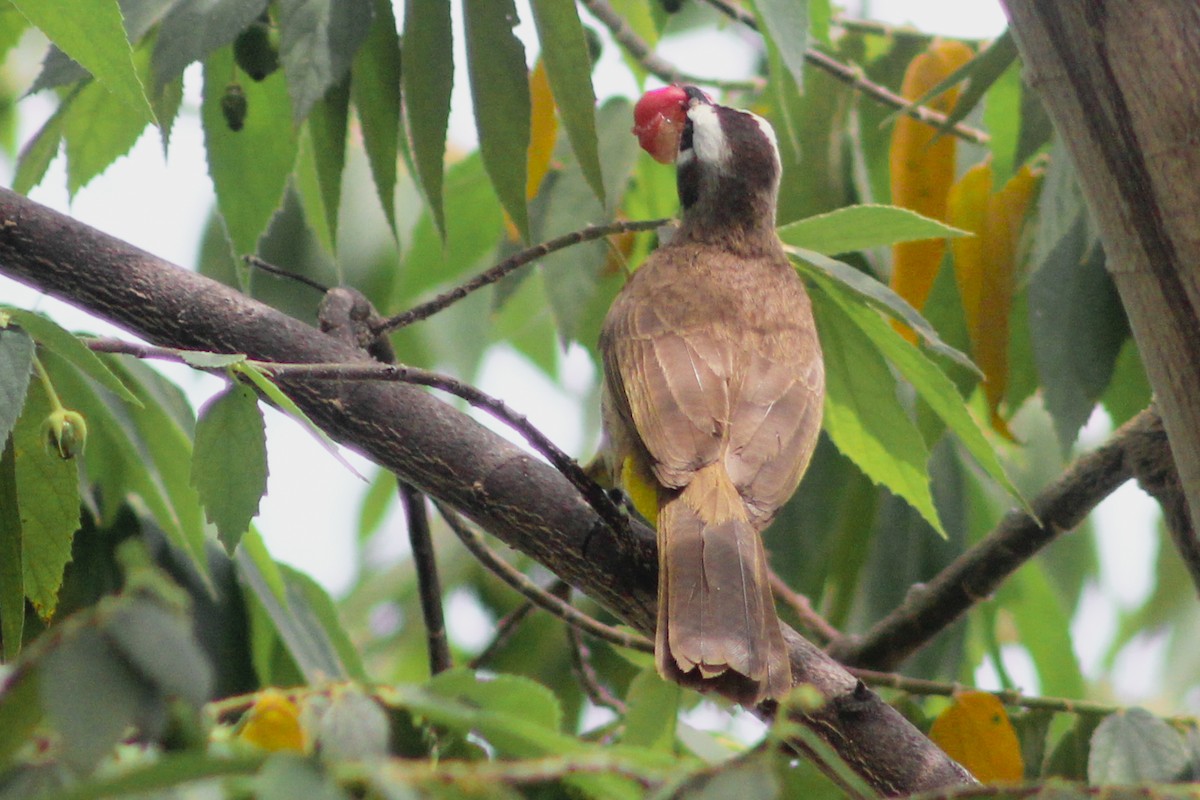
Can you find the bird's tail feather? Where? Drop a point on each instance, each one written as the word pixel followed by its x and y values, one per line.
pixel 716 616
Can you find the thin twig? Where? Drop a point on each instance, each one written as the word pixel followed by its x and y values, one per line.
pixel 473 541
pixel 802 606
pixel 1008 697
pixel 854 77
pixel 505 629
pixel 581 662
pixel 266 266
pixel 976 574
pixel 490 276
pixel 659 67
pixel 429 587
pixel 592 493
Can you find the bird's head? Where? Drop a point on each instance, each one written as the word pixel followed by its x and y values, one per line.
pixel 727 159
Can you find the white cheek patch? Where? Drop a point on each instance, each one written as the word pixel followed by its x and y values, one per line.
pixel 708 139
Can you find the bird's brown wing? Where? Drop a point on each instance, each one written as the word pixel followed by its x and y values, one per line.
pixel 776 417
pixel 673 384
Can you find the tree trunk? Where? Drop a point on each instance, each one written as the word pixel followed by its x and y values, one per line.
pixel 1121 81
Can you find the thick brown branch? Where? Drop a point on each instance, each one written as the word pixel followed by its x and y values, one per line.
pixel 440 451
pixel 977 573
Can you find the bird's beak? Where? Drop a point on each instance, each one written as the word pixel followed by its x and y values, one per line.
pixel 658 120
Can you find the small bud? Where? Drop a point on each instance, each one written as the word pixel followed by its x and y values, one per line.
pixel 64 433
pixel 234 107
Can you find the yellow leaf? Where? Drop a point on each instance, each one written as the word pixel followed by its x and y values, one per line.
pixel 543 129
pixel 922 169
pixel 975 731
pixel 273 723
pixel 985 267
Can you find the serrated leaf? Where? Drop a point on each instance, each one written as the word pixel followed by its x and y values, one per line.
pixel 568 62
pixel 289 407
pixel 862 227
pixel 41 150
pixel 250 167
pixel 327 125
pixel 48 494
pixel 427 80
pixel 54 337
pixel 881 297
pixel 92 33
pixel 195 28
pixel 229 462
pixel 12 579
pixel 500 96
pixel 121 462
pixel 976 732
pixel 785 24
pixel 863 415
pixel 934 387
pixel 16 367
pixel 1133 747
pixel 375 87
pixel 1077 326
pixel 318 40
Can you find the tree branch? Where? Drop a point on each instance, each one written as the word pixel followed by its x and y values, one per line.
pixel 428 585
pixel 1119 80
pixel 977 573
pixel 440 451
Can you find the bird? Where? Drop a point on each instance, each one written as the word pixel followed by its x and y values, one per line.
pixel 712 394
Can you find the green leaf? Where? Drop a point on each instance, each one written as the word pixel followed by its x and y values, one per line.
pixel 327 127
pixel 48 497
pixel 91 696
pixel 92 33
pixel 229 462
pixel 1043 623
pixel 880 296
pixel 474 224
pixel 193 29
pixel 36 156
pixel 934 387
pixel 16 366
pixel 428 79
pixel 506 694
pixel 158 644
pixel 12 579
pixel 862 227
pixel 250 167
pixel 1077 325
pixel 98 131
pixel 500 95
pixel 59 340
pixel 298 624
pixel 653 710
pixel 123 440
pixel 1002 119
pixel 784 23
pixel 165 775
pixel 375 86
pixel 318 40
pixel 1134 747
pixel 569 66
pixel 982 72
pixel 289 407
pixel 863 415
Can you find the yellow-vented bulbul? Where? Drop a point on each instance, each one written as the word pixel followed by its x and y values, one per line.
pixel 713 391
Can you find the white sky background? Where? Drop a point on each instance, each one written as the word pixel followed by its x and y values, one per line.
pixel 308 514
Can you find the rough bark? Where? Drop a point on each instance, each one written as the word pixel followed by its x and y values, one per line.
pixel 1121 81
pixel 439 451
